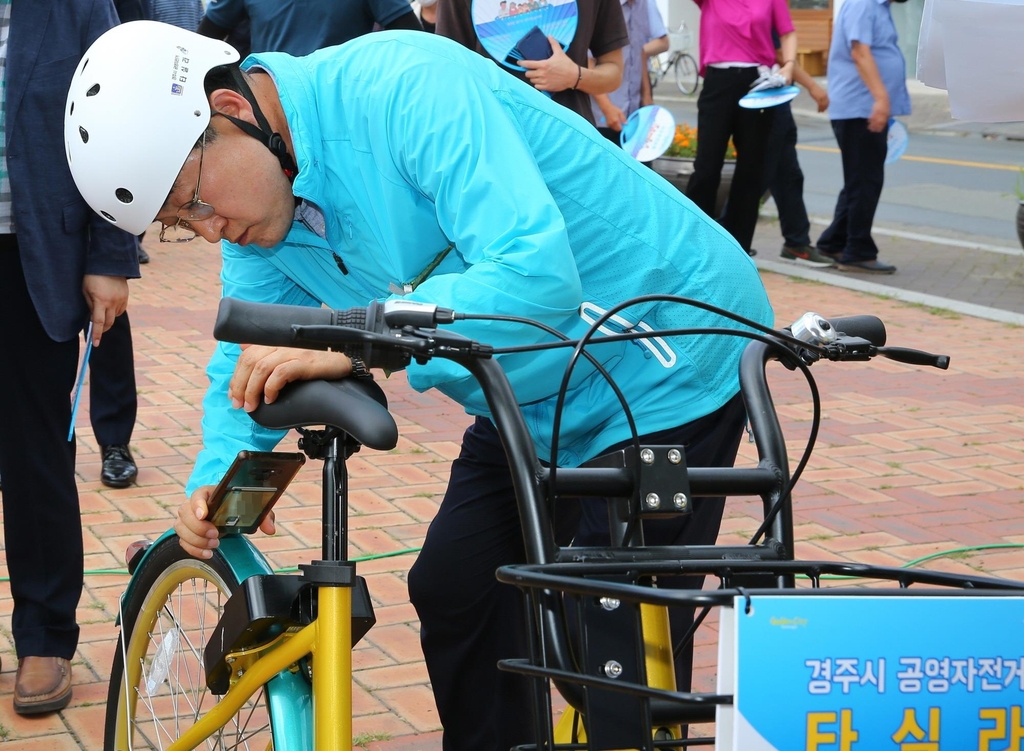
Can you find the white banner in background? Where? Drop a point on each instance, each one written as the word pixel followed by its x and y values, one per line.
pixel 972 49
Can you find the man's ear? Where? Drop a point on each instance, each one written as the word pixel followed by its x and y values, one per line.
pixel 228 102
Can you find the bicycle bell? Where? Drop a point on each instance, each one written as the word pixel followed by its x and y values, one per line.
pixel 811 328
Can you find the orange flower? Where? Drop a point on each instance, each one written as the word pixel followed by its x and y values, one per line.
pixel 684 143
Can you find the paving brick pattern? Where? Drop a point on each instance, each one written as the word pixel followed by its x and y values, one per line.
pixel 910 462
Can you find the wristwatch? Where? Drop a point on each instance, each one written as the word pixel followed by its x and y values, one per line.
pixel 359 369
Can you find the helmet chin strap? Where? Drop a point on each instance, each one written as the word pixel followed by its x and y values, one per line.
pixel 264 133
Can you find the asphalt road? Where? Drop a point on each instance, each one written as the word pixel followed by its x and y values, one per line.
pixel 946 185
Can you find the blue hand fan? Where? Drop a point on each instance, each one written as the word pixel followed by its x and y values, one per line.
pixel 759 100
pixel 502 24
pixel 895 141
pixel 648 132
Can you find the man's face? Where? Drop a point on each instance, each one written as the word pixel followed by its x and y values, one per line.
pixel 242 181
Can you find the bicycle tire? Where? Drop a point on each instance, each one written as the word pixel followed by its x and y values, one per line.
pixel 176 600
pixel 686 73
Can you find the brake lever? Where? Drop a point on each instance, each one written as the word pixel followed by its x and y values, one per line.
pixel 915 357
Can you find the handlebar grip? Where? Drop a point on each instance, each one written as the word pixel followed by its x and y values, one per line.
pixel 915 357
pixel 865 327
pixel 265 323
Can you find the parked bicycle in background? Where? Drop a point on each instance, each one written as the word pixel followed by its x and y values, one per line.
pixel 679 60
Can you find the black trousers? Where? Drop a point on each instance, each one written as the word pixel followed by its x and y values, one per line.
pixel 784 178
pixel 113 398
pixel 720 117
pixel 469 620
pixel 863 154
pixel 42 522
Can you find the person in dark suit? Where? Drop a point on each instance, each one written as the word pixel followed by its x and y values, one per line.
pixel 113 398
pixel 61 265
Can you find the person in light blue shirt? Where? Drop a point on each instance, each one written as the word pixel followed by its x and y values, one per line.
pixel 402 164
pixel 611 110
pixel 867 84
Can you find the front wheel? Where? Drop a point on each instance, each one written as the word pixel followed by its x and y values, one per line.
pixel 175 603
pixel 686 74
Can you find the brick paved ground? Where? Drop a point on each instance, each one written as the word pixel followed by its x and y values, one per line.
pixel 910 462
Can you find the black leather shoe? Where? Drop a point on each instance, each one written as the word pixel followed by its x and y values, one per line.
pixel 119 470
pixel 143 256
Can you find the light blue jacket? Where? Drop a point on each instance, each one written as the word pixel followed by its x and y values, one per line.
pixel 409 144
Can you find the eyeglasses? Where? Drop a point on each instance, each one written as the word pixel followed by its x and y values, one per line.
pixel 193 211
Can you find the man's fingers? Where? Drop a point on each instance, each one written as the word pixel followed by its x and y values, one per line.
pixel 254 366
pixel 98 320
pixel 269 525
pixel 281 376
pixel 198 538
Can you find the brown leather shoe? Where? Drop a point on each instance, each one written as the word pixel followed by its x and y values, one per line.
pixel 43 685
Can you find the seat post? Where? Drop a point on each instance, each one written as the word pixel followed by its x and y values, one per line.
pixel 335 501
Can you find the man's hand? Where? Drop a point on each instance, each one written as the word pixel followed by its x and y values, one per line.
pixel 199 537
pixel 557 73
pixel 262 372
pixel 107 297
pixel 819 95
pixel 878 120
pixel 615 117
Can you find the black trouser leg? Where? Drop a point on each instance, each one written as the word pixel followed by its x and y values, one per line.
pixel 42 523
pixel 720 117
pixel 751 139
pixel 469 620
pixel 784 178
pixel 863 154
pixel 113 398
pixel 716 120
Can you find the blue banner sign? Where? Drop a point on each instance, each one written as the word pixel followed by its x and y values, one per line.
pixel 850 673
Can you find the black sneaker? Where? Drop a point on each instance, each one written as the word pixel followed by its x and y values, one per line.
pixel 874 266
pixel 807 255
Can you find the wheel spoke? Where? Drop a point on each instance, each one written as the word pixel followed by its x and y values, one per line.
pixel 169 620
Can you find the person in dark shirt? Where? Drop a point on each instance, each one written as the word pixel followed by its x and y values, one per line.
pixel 600 28
pixel 299 28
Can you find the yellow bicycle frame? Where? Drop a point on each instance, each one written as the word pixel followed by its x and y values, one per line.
pixel 661 672
pixel 329 640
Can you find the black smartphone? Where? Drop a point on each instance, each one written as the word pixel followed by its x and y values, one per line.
pixel 534 45
pixel 250 488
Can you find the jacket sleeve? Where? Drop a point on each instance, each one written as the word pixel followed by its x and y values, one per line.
pixel 227 430
pixel 111 251
pixel 493 204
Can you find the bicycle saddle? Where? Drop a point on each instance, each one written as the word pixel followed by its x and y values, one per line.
pixel 355 405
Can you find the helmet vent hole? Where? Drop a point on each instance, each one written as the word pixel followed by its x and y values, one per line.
pixel 72 110
pixel 84 63
pixel 84 134
pixel 93 90
pixel 197 113
pixel 108 217
pixel 124 195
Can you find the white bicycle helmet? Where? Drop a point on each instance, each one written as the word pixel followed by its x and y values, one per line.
pixel 134 112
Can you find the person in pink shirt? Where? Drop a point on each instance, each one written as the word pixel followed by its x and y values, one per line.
pixel 736 38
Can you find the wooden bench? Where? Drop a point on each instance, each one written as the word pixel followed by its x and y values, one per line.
pixel 813 38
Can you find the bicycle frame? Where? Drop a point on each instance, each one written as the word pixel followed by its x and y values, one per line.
pixel 302 716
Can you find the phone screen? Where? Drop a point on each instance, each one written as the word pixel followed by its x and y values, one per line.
pixel 241 506
pixel 251 486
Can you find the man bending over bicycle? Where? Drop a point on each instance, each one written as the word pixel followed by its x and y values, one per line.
pixel 402 164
